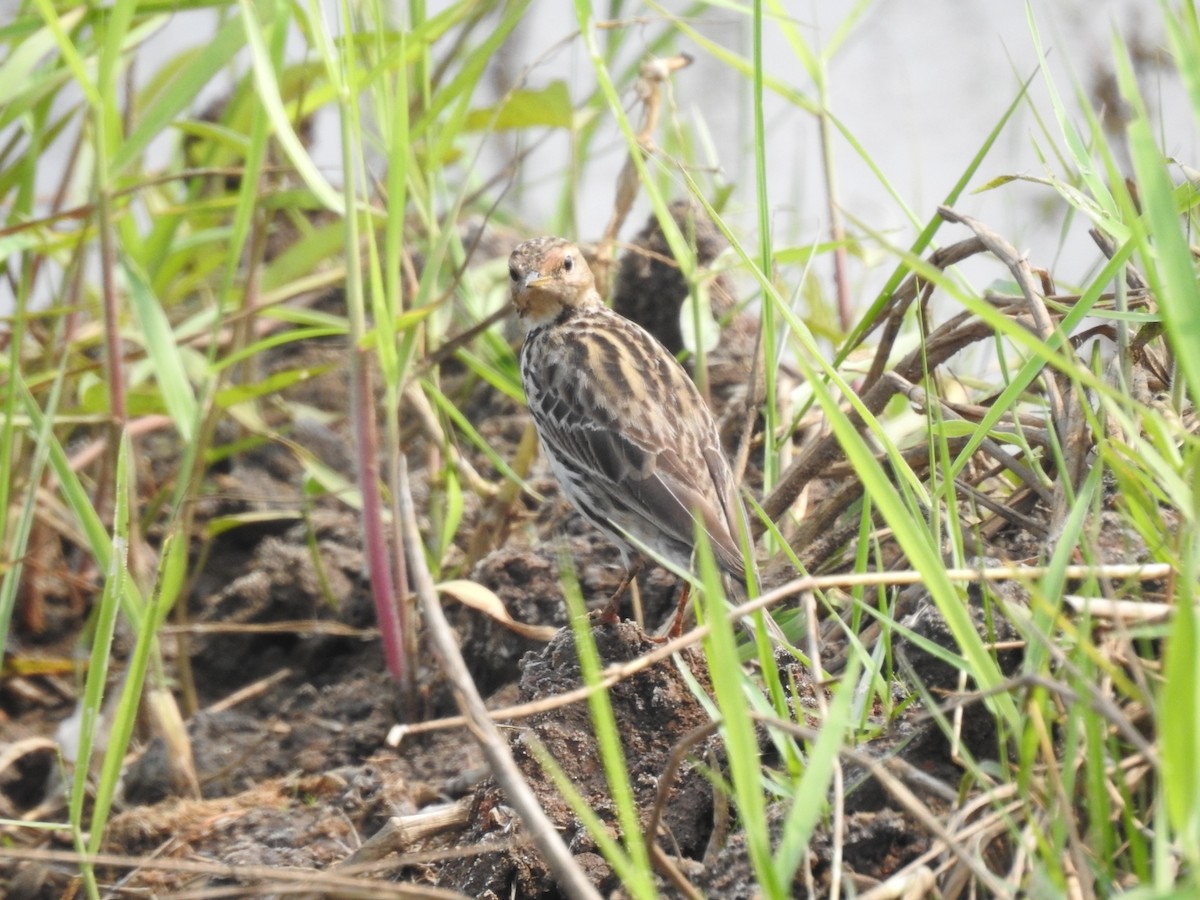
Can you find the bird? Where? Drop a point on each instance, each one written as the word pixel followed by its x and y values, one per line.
pixel 650 288
pixel 627 434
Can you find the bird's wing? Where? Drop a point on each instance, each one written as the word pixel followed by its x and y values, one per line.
pixel 676 498
pixel 642 432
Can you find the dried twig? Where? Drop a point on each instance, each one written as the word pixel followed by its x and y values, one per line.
pixel 282 879
pixel 650 82
pixel 623 671
pixel 558 858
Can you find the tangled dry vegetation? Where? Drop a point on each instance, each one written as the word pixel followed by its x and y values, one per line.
pixel 296 782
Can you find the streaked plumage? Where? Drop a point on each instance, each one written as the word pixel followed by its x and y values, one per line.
pixel 627 434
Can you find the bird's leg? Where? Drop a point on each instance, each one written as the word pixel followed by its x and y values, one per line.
pixel 608 615
pixel 677 625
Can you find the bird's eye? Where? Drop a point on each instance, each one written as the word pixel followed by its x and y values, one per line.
pixel 513 273
pixel 568 263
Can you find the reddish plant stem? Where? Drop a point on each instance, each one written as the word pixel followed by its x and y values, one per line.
pixel 379 561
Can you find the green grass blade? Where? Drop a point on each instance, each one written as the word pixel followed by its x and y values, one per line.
pixel 809 800
pixel 738 728
pixel 272 101
pixel 91 708
pixel 160 344
pixel 608 742
pixel 170 582
pixel 1170 266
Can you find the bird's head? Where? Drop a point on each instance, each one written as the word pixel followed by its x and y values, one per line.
pixel 548 275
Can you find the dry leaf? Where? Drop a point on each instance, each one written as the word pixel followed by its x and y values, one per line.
pixel 476 596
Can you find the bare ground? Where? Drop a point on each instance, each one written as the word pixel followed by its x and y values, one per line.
pixel 290 721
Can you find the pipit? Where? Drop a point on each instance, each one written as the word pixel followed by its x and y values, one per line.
pixel 627 434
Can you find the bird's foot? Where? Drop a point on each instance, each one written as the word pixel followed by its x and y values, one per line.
pixel 680 612
pixel 609 614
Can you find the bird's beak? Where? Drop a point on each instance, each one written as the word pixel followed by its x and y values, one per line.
pixel 521 287
pixel 531 279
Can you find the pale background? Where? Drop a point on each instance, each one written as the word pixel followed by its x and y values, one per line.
pixel 919 83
